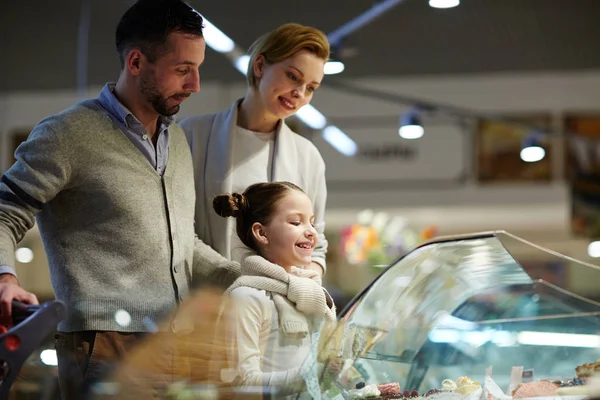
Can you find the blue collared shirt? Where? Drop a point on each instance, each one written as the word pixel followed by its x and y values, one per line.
pixel 135 131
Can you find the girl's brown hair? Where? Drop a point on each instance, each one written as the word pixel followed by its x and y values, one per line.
pixel 257 204
pixel 284 42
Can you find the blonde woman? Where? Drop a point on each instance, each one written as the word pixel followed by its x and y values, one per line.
pixel 251 143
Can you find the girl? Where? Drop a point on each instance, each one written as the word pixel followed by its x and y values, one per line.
pixel 251 143
pixel 274 308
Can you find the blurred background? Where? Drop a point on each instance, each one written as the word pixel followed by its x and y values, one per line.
pixel 484 80
pixel 479 115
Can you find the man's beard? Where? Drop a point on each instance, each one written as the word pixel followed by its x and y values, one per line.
pixel 153 96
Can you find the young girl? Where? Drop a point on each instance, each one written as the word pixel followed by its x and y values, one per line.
pixel 275 308
pixel 250 142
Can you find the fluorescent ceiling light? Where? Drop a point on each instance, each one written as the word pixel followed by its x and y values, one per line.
pixel 311 117
pixel 241 63
pixel 339 141
pixel 333 67
pixel 444 3
pixel 215 39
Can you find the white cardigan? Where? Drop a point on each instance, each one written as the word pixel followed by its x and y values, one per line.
pixel 257 350
pixel 295 159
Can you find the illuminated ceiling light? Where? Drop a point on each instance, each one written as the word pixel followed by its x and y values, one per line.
pixel 241 63
pixel 215 39
pixel 339 141
pixel 333 67
pixel 444 3
pixel 311 117
pixel 410 125
pixel 411 131
pixel 24 255
pixel 531 150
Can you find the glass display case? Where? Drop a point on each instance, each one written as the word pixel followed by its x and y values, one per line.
pixel 466 317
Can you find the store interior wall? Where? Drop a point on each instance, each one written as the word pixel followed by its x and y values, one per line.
pixel 537 212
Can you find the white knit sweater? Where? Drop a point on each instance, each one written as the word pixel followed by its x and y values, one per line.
pixel 259 351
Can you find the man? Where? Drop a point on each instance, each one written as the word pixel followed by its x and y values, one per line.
pixel 109 181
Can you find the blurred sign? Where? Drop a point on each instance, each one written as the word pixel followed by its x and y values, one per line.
pixel 583 170
pixel 384 158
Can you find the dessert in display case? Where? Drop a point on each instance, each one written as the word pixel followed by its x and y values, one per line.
pixel 465 317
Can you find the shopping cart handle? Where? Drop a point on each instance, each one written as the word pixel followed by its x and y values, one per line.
pixel 22 311
pixel 33 324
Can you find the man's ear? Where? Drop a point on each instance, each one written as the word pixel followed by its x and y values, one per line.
pixel 260 234
pixel 135 61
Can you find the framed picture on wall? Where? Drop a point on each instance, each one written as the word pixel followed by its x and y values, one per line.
pixel 583 172
pixel 498 147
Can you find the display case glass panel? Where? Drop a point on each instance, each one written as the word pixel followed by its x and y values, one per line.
pixel 463 306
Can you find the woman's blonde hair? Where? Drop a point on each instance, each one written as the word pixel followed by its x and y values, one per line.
pixel 284 42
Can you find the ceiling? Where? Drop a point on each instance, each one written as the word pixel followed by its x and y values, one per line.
pixel 38 39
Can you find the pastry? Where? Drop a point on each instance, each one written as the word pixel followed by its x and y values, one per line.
pixel 535 389
pixel 389 389
pixel 586 370
pixel 365 393
pixel 448 385
pixel 581 390
pixel 463 380
pixel 466 390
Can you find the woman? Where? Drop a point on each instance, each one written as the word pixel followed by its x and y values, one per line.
pixel 273 312
pixel 250 142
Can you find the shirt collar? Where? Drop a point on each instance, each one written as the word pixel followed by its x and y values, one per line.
pixel 110 102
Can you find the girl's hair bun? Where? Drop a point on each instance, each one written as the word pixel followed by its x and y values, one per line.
pixel 230 205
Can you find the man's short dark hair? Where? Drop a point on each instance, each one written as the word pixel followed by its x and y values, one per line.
pixel 148 23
